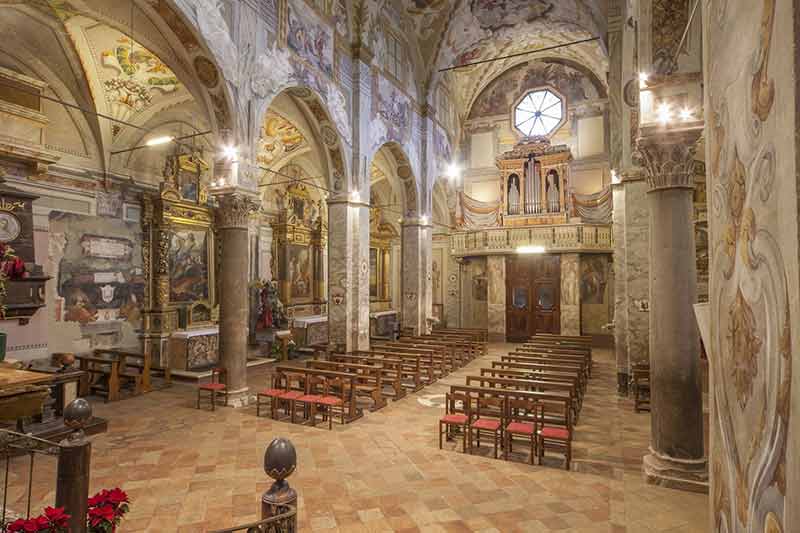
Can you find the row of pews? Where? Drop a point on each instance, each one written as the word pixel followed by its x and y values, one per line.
pixel 533 394
pixel 339 386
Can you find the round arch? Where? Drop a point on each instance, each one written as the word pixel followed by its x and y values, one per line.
pixel 405 174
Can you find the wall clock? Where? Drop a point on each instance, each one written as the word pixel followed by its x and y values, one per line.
pixel 10 227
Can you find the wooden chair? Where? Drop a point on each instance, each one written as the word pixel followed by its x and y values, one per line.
pixel 271 395
pixel 489 414
pixel 329 401
pixel 554 436
pixel 452 418
pixel 291 394
pixel 522 417
pixel 641 386
pixel 215 387
pixel 308 401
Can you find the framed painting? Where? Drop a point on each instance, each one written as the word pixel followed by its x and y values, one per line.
pixel 300 272
pixel 189 257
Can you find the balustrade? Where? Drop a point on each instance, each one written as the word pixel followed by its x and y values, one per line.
pixel 557 238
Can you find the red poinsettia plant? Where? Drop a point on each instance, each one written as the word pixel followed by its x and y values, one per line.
pixel 106 509
pixel 11 267
pixel 54 520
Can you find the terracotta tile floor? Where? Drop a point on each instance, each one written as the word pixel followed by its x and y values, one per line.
pixel 188 470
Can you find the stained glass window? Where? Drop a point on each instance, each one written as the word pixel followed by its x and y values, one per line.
pixel 539 113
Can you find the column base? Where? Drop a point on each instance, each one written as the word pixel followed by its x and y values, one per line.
pixel 681 474
pixel 239 397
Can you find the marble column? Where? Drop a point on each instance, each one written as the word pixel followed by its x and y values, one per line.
pixel 232 216
pixel 348 274
pixel 676 457
pixel 620 294
pixel 496 297
pixel 415 272
pixel 570 294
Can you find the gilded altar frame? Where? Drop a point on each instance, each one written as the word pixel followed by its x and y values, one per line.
pixel 381 236
pixel 166 216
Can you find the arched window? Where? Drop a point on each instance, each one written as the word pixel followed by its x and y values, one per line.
pixel 539 112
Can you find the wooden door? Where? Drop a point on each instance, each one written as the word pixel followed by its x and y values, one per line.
pixel 533 296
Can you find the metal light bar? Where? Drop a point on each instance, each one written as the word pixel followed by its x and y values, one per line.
pixel 546 49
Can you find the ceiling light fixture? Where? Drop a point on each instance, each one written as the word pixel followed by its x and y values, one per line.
pixel 155 141
pixel 230 151
pixel 531 250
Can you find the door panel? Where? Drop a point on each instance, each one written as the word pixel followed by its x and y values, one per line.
pixel 532 296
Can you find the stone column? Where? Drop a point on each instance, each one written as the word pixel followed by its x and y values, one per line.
pixel 496 298
pixel 415 272
pixel 232 216
pixel 348 274
pixel 676 457
pixel 620 294
pixel 570 294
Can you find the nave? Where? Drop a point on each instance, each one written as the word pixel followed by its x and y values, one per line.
pixel 193 470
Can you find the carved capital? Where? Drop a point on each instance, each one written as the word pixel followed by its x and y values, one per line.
pixel 667 155
pixel 235 209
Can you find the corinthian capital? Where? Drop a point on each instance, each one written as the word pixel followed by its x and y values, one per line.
pixel 235 208
pixel 667 155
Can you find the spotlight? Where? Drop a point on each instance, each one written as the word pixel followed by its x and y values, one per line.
pixel 355 196
pixel 155 141
pixel 614 176
pixel 686 114
pixel 664 113
pixel 424 220
pixel 530 250
pixel 453 171
pixel 643 80
pixel 230 151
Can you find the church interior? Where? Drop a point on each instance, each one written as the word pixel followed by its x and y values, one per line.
pixel 399 265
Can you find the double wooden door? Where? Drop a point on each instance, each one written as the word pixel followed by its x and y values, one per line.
pixel 533 296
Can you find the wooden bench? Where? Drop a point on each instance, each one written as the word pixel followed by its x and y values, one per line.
pixel 368 381
pixel 407 368
pixel 535 368
pixel 435 363
pixel 430 367
pixel 452 356
pixel 561 358
pixel 641 386
pixel 529 385
pixel 479 334
pixel 352 411
pixel 542 397
pixel 543 375
pixel 111 366
pixel 388 376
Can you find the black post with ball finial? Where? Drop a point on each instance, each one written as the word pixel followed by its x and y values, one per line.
pixel 280 460
pixel 72 484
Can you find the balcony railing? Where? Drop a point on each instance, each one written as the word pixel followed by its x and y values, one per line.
pixel 557 238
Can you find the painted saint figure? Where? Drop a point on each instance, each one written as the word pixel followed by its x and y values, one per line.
pixel 513 195
pixel 553 196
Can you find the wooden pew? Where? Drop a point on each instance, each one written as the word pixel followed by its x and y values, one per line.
pixel 583 339
pixel 548 397
pixel 534 368
pixel 437 362
pixel 564 358
pixel 368 382
pixel 559 348
pixel 479 334
pixel 111 364
pixel 352 411
pixel 542 375
pixel 469 346
pixel 388 376
pixel 453 357
pixel 408 367
pixel 529 385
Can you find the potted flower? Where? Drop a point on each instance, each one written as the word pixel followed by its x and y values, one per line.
pixel 106 509
pixel 54 520
pixel 11 267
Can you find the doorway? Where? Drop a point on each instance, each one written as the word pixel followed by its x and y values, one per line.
pixel 533 296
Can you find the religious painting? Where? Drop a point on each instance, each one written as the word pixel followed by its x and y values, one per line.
pixel 594 279
pixel 188 265
pixel 300 275
pixel 310 37
pixel 394 110
pixel 373 272
pixel 279 138
pixel 493 15
pixel 97 266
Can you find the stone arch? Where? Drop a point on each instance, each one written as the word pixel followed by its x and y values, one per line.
pixel 325 129
pixel 406 175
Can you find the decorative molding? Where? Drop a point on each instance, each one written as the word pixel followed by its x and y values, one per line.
pixel 667 155
pixel 235 209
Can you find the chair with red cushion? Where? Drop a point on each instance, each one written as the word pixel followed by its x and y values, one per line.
pixel 332 400
pixel 555 436
pixel 489 414
pixel 522 417
pixel 295 388
pixel 271 394
pixel 455 416
pixel 213 388
pixel 315 389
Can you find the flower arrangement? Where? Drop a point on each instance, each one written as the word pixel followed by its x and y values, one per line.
pixel 11 267
pixel 106 509
pixel 54 520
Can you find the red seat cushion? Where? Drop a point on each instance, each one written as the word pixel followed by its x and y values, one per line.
pixel 554 433
pixel 213 386
pixel 454 419
pixel 290 395
pixel 271 392
pixel 486 423
pixel 309 398
pixel 330 400
pixel 520 427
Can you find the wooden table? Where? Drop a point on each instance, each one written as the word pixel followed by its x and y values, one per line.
pixel 21 393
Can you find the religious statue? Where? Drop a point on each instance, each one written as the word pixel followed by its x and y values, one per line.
pixel 270 312
pixel 553 197
pixel 513 195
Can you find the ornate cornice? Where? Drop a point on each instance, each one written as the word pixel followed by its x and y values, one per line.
pixel 234 209
pixel 667 155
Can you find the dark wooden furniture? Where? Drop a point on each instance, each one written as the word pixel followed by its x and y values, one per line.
pixel 489 413
pixel 522 418
pixel 453 418
pixel 641 386
pixel 212 389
